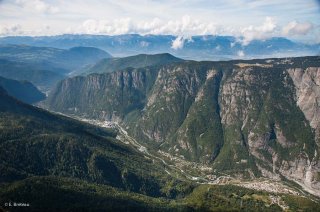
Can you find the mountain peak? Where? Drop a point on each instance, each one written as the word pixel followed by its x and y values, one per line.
pixel 135 61
pixel 159 57
pixel 85 49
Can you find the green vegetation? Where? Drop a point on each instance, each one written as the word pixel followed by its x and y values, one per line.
pixel 52 194
pixel 35 142
pixel 300 203
pixel 58 193
pixel 202 126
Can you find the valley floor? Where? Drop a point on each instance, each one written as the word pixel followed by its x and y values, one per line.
pixel 202 173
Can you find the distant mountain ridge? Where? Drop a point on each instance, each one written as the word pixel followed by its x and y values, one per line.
pixel 206 47
pixel 69 59
pixel 136 61
pixel 44 66
pixel 42 78
pixel 22 90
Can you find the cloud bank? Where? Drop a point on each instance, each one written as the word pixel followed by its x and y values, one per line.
pixel 266 30
pixel 295 28
pixel 179 42
pixel 37 6
pixel 184 26
pixel 246 19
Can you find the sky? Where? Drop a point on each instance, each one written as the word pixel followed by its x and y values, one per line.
pixel 249 19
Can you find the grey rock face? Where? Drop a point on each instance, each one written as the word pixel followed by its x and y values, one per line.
pixel 307 84
pixel 255 112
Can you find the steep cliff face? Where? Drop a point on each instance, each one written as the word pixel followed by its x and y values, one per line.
pixel 200 136
pixel 242 94
pixel 265 129
pixel 307 86
pixel 169 102
pixel 181 114
pixel 244 118
pixel 106 96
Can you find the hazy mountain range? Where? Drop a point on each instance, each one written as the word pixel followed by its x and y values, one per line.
pixel 207 47
pixel 44 66
pixel 22 90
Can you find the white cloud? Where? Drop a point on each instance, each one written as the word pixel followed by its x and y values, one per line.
pixel 10 29
pixel 266 30
pixel 184 26
pixel 240 53
pixel 17 29
pixel 295 28
pixel 37 6
pixel 178 43
pixel 116 27
pixel 152 26
pixel 180 17
pixel 144 44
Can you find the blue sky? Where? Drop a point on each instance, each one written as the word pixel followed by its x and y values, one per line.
pixel 251 19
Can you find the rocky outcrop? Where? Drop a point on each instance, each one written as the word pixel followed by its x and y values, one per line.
pixel 307 84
